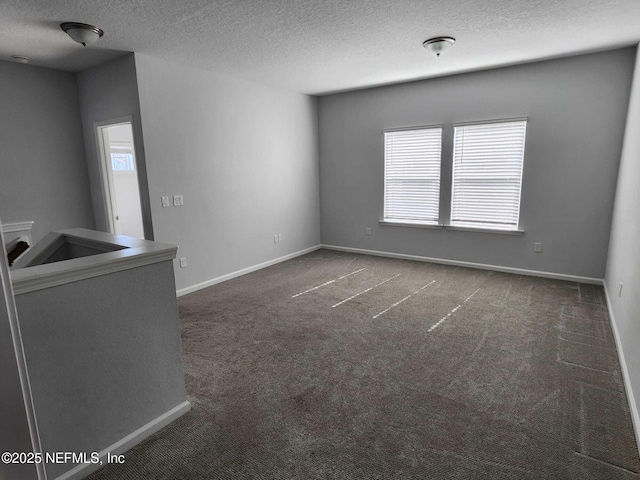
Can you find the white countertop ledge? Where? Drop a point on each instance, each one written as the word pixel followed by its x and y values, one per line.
pixel 120 253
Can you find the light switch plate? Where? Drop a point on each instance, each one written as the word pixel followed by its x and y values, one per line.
pixel 165 201
pixel 178 200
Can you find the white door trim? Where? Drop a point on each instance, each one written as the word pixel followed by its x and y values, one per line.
pixel 106 175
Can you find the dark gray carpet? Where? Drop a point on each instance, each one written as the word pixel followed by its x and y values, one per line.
pixel 519 379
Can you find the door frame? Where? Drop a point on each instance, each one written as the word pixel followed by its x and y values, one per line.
pixel 106 175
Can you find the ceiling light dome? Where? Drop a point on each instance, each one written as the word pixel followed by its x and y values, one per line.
pixel 82 32
pixel 20 58
pixel 438 45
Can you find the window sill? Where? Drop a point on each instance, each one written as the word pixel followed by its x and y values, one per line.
pixel 484 230
pixel 393 223
pixel 438 226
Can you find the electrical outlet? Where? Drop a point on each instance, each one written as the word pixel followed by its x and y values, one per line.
pixel 183 262
pixel 537 247
pixel 368 232
pixel 178 200
pixel 620 292
pixel 165 201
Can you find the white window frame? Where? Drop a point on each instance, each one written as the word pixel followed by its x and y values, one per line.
pixel 391 219
pixel 487 226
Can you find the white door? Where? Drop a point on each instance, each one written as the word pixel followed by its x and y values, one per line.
pixel 120 178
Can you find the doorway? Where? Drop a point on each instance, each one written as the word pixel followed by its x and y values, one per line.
pixel 121 186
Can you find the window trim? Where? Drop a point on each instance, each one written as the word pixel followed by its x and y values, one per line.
pixel 412 127
pixel 455 228
pixel 400 223
pixel 407 222
pixel 490 121
pixel 517 230
pixel 498 231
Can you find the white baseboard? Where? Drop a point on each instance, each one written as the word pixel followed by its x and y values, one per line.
pixel 128 442
pixel 244 271
pixel 633 406
pixel 480 266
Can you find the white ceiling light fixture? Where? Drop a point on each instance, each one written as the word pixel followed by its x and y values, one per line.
pixel 438 45
pixel 20 58
pixel 82 32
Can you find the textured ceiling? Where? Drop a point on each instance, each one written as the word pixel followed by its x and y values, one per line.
pixel 319 46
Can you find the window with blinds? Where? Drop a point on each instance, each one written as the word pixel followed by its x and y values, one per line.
pixel 412 175
pixel 487 175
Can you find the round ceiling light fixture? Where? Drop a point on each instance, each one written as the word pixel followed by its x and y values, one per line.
pixel 20 58
pixel 438 45
pixel 82 32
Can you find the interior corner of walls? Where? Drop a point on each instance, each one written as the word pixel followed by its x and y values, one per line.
pixel 631 399
pixel 43 120
pixel 136 65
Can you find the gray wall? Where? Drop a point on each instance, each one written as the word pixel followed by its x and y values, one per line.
pixel 245 158
pixel 14 426
pixel 43 173
pixel 624 248
pixel 104 357
pixel 110 92
pixel 576 109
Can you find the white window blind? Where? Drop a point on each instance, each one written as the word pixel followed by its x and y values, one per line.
pixel 412 175
pixel 487 175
